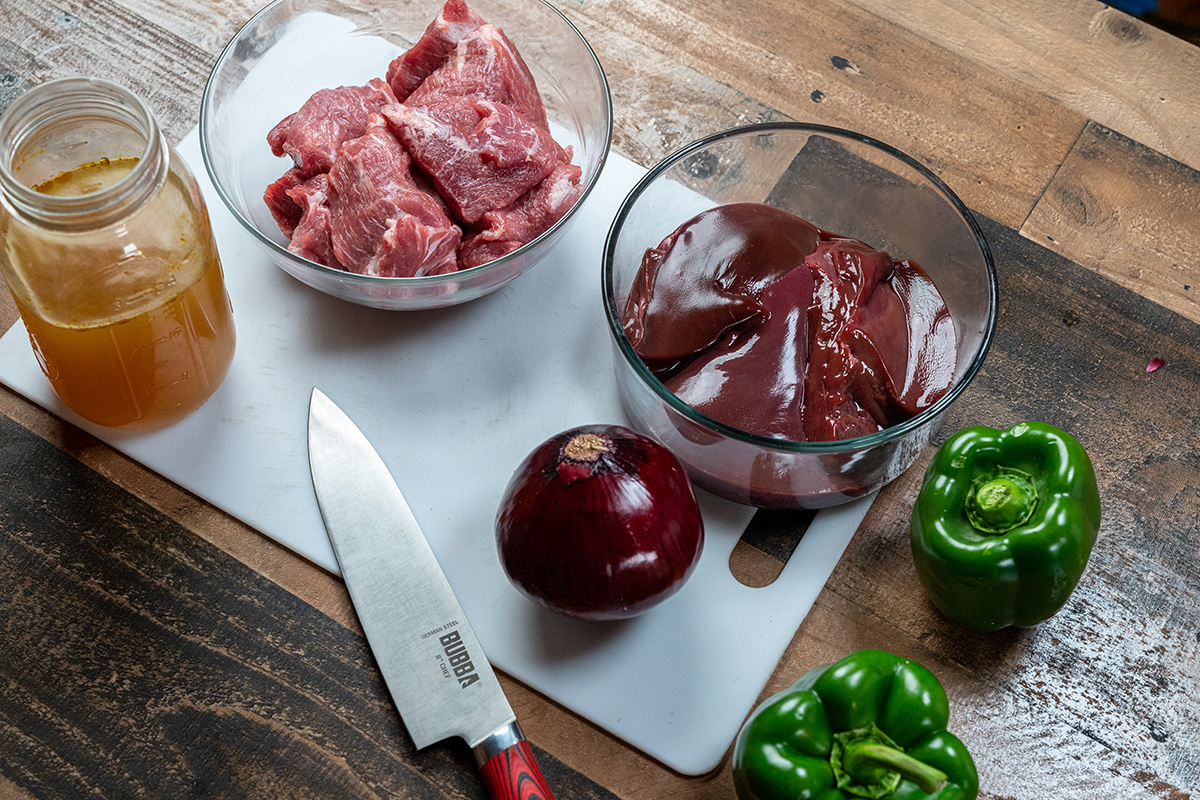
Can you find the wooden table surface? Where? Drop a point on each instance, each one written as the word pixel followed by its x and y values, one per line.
pixel 151 646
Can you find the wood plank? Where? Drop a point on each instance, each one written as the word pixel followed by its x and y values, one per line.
pixel 576 742
pixel 1084 55
pixel 207 26
pixel 1102 696
pixel 1015 732
pixel 661 105
pixel 994 141
pixel 141 661
pixel 1128 212
pixel 41 40
pixel 10 791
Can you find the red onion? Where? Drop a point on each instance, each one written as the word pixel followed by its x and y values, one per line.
pixel 599 522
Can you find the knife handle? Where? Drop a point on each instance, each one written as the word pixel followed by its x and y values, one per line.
pixel 509 770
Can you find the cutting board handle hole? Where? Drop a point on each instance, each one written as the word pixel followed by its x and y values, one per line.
pixel 769 541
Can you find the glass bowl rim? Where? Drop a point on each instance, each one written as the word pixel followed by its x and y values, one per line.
pixel 880 437
pixel 424 281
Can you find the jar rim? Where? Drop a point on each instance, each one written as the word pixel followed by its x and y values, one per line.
pixel 54 102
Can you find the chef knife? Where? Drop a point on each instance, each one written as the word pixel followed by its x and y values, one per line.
pixel 431 661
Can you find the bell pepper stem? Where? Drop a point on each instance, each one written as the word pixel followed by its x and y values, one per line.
pixel 1001 501
pixel 865 758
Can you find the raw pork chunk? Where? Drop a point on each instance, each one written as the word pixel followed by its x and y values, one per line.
pixel 311 238
pixel 312 135
pixel 485 64
pixel 453 23
pixel 507 229
pixel 481 155
pixel 477 125
pixel 283 208
pixel 380 221
pixel 458 128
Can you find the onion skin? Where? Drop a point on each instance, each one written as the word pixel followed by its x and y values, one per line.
pixel 599 522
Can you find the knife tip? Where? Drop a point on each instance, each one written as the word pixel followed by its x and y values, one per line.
pixel 318 403
pixel 317 399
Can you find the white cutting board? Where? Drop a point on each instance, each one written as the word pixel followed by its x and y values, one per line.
pixel 454 399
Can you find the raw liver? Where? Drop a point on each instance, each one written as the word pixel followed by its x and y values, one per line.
pixel 765 323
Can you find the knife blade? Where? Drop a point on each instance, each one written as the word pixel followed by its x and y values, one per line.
pixel 431 661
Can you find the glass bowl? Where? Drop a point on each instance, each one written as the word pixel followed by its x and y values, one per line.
pixel 841 182
pixel 292 48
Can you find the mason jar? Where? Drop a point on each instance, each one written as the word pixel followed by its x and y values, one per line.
pixel 106 246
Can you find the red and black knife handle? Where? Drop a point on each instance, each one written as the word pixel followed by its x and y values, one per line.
pixel 509 771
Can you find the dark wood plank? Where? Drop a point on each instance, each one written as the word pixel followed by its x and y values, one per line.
pixel 1128 212
pixel 140 661
pixel 1103 696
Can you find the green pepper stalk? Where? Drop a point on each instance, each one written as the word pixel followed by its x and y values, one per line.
pixel 1004 524
pixel 872 725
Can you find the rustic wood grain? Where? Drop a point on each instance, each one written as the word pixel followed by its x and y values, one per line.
pixel 1084 55
pixel 205 26
pixel 576 742
pixel 1102 696
pixel 994 96
pixel 995 142
pixel 10 791
pixel 40 40
pixel 139 661
pixel 1128 212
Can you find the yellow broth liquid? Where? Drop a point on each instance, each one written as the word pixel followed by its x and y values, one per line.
pixel 159 351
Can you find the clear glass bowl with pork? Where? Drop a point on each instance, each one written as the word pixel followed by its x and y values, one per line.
pixel 407 156
pixel 793 308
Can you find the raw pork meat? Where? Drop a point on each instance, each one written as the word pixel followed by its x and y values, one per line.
pixel 311 238
pixel 330 117
pixel 507 229
pixel 380 220
pixel 481 155
pixel 458 128
pixel 283 208
pixel 485 64
pixel 453 23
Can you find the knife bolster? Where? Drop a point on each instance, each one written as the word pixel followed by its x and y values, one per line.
pixel 497 742
pixel 508 767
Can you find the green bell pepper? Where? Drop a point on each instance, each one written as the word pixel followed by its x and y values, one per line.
pixel 1004 523
pixel 872 725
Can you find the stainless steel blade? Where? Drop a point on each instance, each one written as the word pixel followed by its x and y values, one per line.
pixel 433 665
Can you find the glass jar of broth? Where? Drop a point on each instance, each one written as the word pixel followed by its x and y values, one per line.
pixel 106 246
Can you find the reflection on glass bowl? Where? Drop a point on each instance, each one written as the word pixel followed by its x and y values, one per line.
pixel 292 48
pixel 839 181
